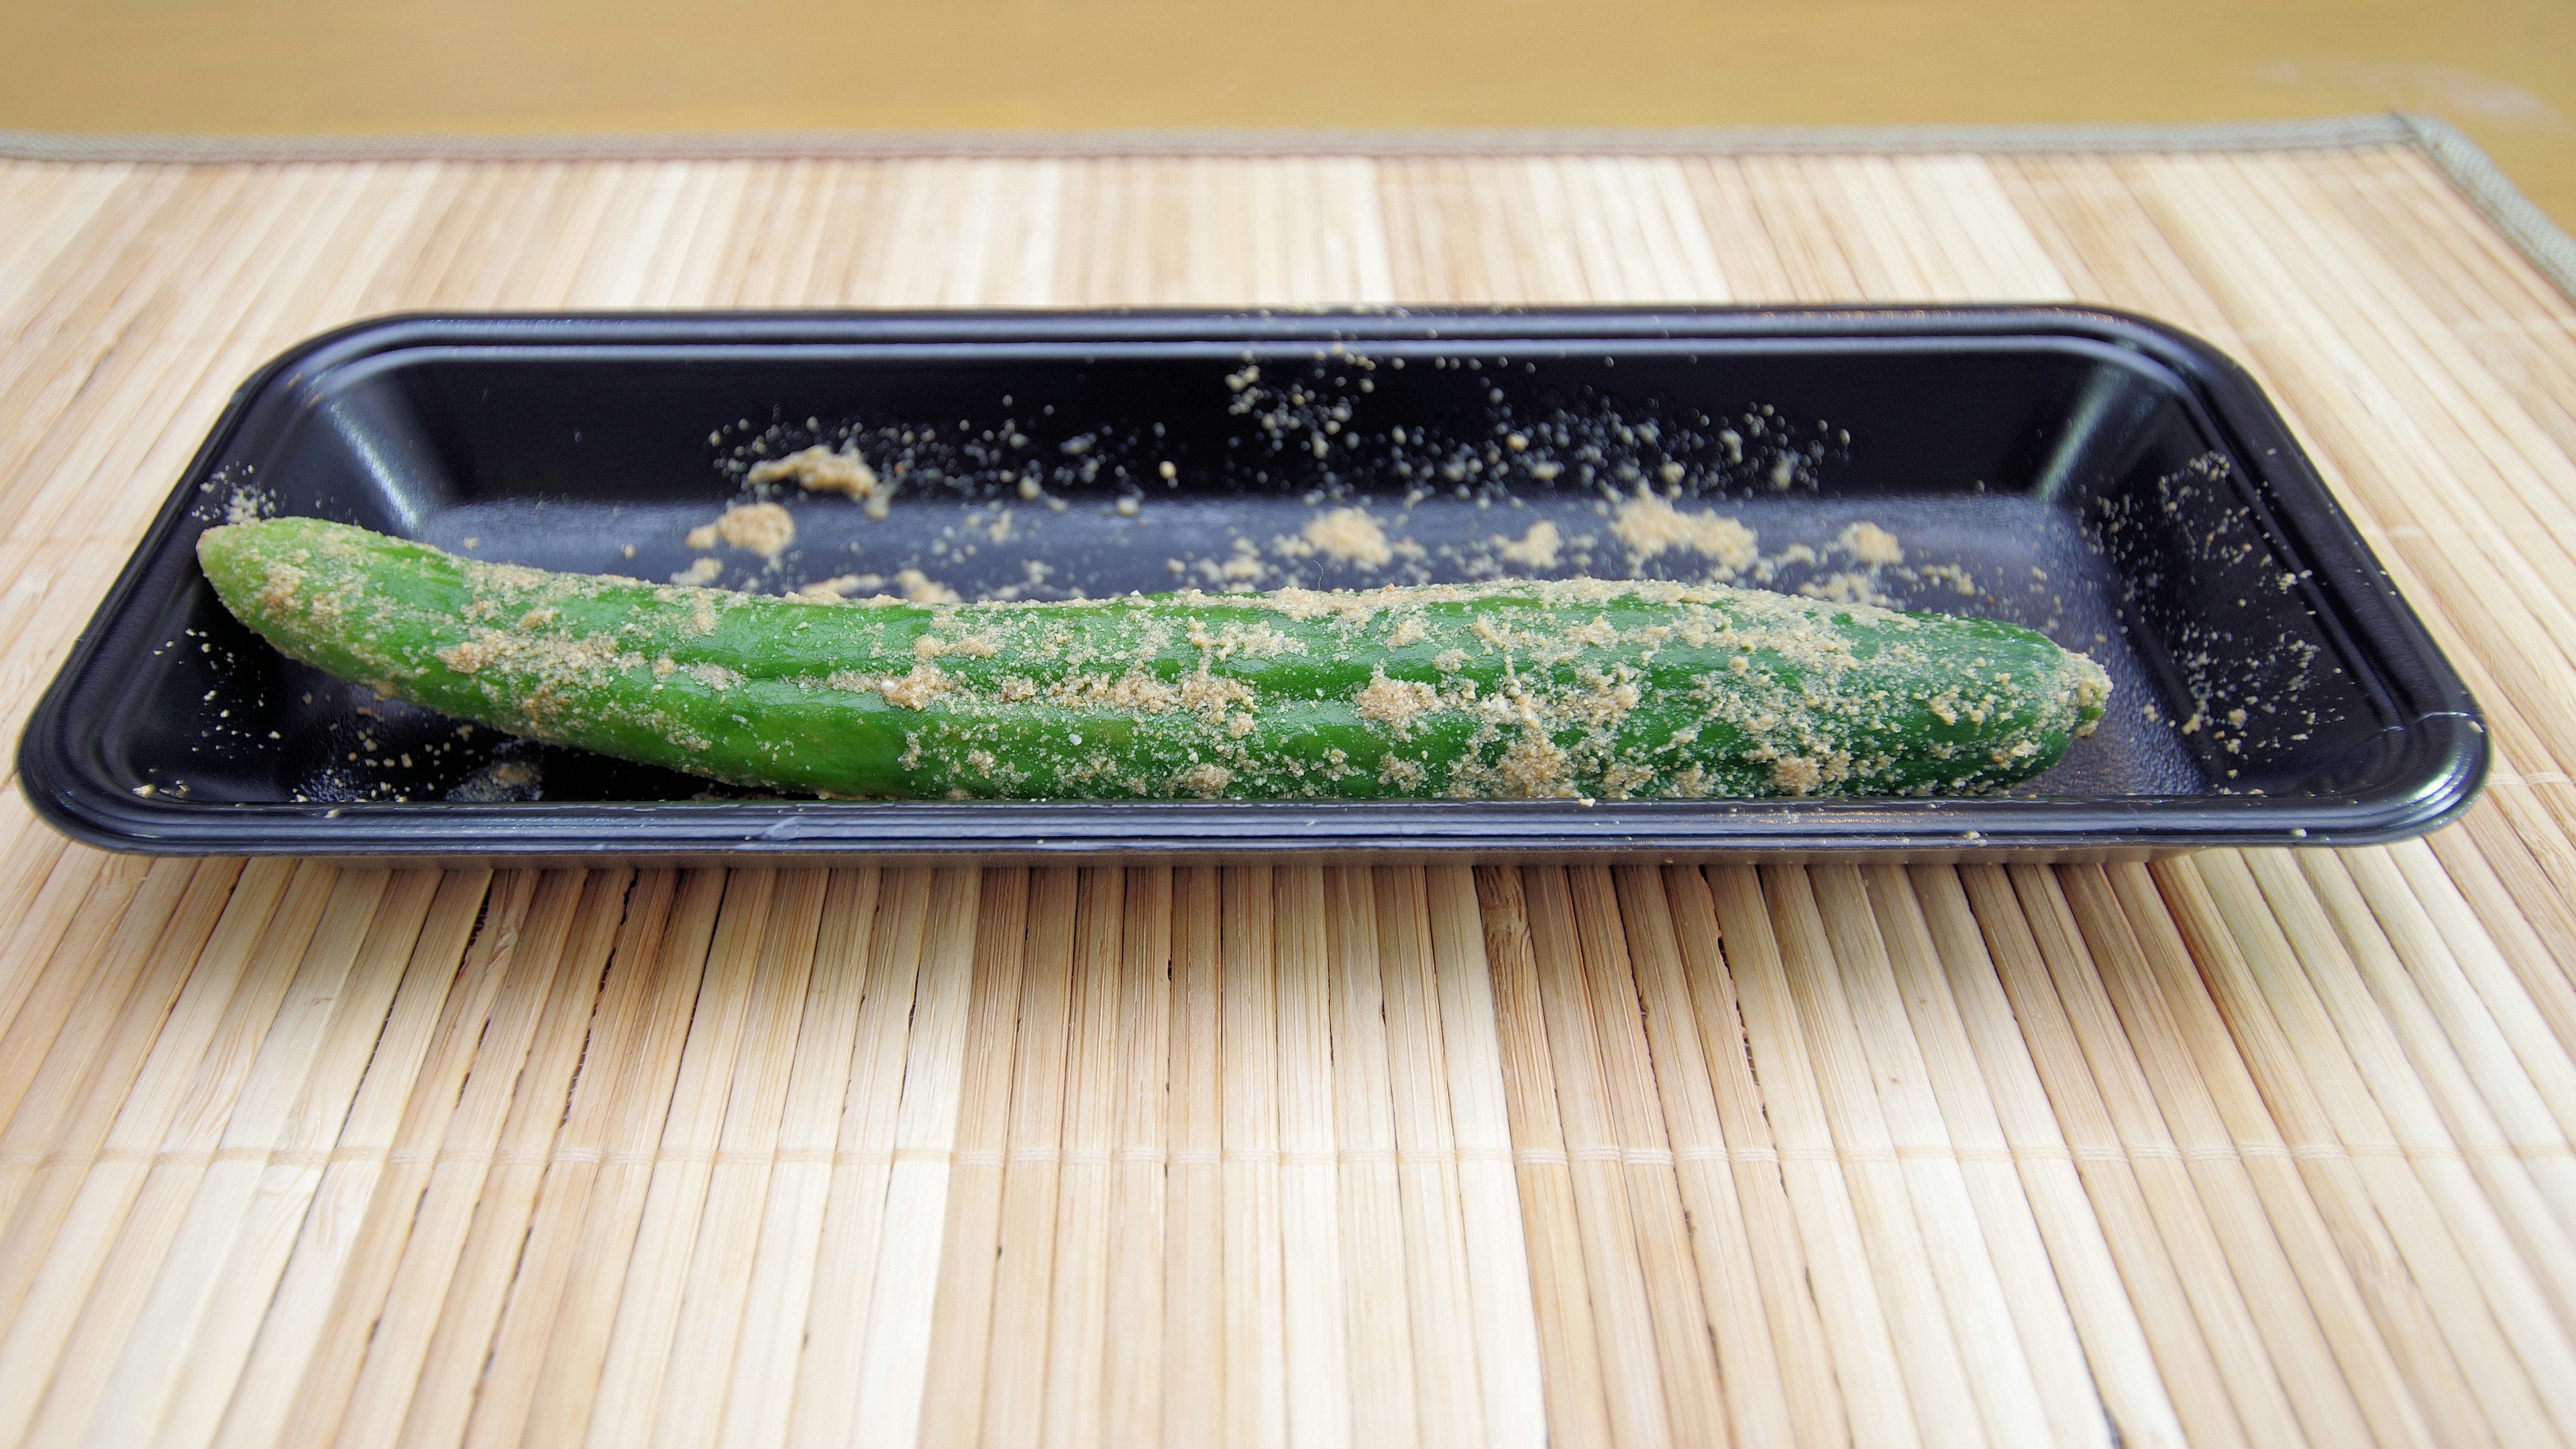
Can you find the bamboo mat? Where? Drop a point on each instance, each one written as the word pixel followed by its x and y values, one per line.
pixel 2232 1149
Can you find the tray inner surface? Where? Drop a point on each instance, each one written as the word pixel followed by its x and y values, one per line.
pixel 2060 483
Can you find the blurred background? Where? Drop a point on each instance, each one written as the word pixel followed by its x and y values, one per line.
pixel 2503 70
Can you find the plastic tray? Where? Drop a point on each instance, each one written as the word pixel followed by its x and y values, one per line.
pixel 2099 476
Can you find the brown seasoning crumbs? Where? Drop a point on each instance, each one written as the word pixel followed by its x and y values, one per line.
pixel 819 469
pixel 1650 526
pixel 762 528
pixel 1346 534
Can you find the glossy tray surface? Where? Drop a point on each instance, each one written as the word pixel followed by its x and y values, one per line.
pixel 2108 480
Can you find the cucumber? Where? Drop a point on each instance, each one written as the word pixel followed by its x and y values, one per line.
pixel 1581 688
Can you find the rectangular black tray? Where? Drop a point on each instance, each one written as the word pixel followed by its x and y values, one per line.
pixel 2102 477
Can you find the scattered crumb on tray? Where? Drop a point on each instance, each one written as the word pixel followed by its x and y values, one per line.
pixel 819 469
pixel 762 528
pixel 501 781
pixel 1649 526
pixel 1872 545
pixel 840 586
pixel 1848 588
pixel 1536 549
pixel 920 588
pixel 1346 534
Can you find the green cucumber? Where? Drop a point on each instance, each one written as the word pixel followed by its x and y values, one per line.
pixel 1581 688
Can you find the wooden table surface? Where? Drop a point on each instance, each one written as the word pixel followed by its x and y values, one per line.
pixel 2240 1148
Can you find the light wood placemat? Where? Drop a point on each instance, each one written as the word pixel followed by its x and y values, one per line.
pixel 2234 1149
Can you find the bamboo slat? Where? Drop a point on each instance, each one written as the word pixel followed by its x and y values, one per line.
pixel 2238 1149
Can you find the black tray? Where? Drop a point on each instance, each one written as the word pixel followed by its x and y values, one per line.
pixel 2099 476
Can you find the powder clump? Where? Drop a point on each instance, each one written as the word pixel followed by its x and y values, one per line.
pixel 762 528
pixel 1872 545
pixel 819 469
pixel 1395 702
pixel 1346 534
pixel 838 587
pixel 1536 549
pixel 920 588
pixel 1650 526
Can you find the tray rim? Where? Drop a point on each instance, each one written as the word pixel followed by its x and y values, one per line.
pixel 2447 743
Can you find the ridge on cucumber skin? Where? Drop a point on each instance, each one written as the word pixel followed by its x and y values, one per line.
pixel 1499 690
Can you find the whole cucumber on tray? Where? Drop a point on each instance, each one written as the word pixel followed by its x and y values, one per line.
pixel 1581 687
